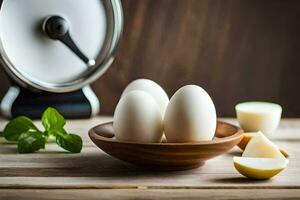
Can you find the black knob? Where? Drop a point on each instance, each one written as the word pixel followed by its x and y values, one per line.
pixel 57 28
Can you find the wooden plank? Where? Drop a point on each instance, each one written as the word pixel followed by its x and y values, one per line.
pixel 94 170
pixel 54 168
pixel 150 194
pixel 207 182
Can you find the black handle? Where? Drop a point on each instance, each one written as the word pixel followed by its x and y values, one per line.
pixel 57 28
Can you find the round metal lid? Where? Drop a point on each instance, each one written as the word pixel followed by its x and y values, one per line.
pixel 35 60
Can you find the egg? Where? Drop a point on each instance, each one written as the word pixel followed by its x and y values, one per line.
pixel 138 118
pixel 152 88
pixel 190 116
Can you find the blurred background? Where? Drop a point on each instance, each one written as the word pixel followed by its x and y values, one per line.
pixel 238 50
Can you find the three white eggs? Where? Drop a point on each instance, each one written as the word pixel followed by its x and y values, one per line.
pixel 144 113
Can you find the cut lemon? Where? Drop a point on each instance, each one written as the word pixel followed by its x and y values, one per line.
pixel 248 136
pixel 259 168
pixel 260 146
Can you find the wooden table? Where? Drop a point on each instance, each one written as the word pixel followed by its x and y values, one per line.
pixel 93 174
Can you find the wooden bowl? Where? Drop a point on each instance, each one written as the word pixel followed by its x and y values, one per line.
pixel 167 156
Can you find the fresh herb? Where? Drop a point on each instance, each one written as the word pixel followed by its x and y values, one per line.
pixel 17 126
pixel 30 139
pixel 70 142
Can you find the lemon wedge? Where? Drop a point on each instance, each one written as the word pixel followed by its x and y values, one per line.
pixel 260 146
pixel 248 136
pixel 259 168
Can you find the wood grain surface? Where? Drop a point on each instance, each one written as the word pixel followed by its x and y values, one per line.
pixel 92 172
pixel 151 194
pixel 236 49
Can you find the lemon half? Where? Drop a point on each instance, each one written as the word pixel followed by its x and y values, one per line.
pixel 259 168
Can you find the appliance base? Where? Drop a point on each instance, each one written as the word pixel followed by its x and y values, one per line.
pixel 21 101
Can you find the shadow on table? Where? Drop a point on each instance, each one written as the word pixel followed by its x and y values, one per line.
pixel 86 164
pixel 105 165
pixel 234 153
pixel 8 148
pixel 237 180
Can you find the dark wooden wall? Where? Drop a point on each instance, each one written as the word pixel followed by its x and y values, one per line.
pixel 237 50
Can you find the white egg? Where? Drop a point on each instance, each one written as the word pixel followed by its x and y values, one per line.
pixel 138 118
pixel 152 88
pixel 190 116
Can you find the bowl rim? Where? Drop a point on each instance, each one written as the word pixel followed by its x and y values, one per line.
pixel 237 135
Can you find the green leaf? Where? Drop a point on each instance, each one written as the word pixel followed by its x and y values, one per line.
pixel 1 134
pixel 52 120
pixel 30 139
pixel 30 142
pixel 69 142
pixel 17 126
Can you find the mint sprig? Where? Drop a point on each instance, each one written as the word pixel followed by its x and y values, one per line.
pixel 30 139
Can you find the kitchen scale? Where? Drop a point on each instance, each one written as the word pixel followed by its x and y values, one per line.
pixel 52 50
